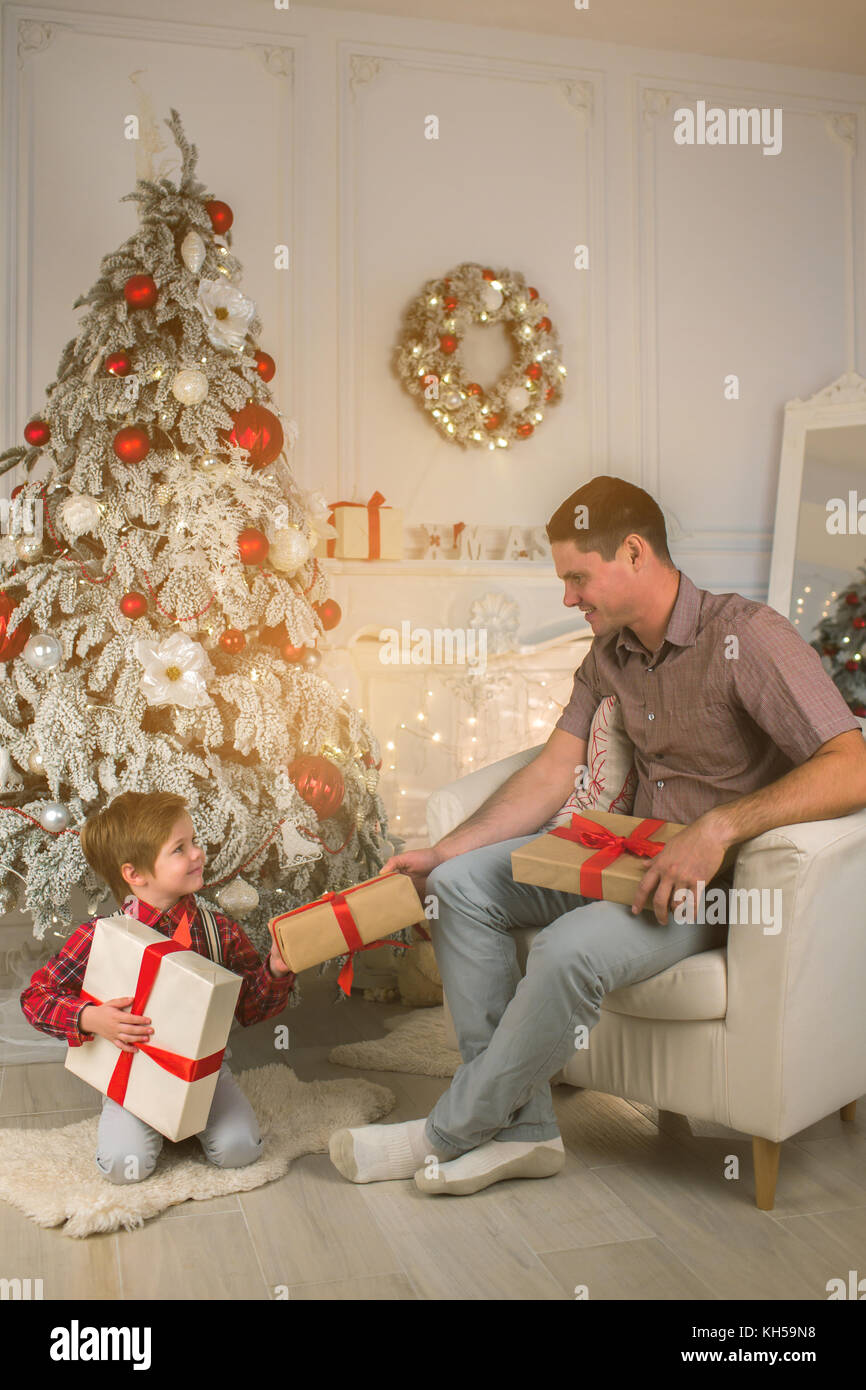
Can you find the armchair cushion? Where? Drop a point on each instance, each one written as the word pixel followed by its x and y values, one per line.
pixel 612 777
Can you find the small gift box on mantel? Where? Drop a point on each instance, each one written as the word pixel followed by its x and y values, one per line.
pixel 169 1081
pixel 353 920
pixel 365 531
pixel 601 854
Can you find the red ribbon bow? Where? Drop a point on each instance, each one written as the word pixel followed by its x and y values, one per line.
pixel 346 922
pixel 375 502
pixel 187 1068
pixel 610 847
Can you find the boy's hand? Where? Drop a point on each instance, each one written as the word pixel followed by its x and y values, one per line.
pixel 276 962
pixel 111 1020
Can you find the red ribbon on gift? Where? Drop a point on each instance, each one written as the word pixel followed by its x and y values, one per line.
pixel 375 502
pixel 348 927
pixel 610 847
pixel 187 1068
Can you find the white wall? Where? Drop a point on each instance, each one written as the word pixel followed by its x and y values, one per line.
pixel 704 261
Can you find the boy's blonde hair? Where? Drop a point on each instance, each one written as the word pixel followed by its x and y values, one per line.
pixel 131 830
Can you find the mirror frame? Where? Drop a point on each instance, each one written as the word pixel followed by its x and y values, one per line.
pixel 843 402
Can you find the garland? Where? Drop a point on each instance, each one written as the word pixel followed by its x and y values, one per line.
pixel 430 364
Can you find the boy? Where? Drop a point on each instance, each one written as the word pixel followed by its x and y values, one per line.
pixel 145 842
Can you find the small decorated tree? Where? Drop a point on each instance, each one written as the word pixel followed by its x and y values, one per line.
pixel 841 641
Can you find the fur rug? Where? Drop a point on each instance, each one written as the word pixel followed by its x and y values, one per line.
pixel 415 1045
pixel 51 1175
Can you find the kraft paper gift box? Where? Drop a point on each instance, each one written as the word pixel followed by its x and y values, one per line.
pixel 352 920
pixel 365 531
pixel 168 1082
pixel 600 854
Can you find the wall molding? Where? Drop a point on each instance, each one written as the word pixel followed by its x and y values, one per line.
pixel 583 92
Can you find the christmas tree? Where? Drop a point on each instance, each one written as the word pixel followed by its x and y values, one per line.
pixel 841 641
pixel 161 632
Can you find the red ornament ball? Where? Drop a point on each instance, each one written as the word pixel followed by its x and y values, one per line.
pixel 492 421
pixel 132 444
pixel 37 432
pixel 448 342
pixel 450 303
pixel 11 646
pixel 831 649
pixel 533 371
pixel 289 652
pixel 533 293
pixel 852 599
pixel 860 711
pixel 133 605
pixel 257 430
pixel 118 363
pixel 16 490
pixel 525 430
pixel 232 641
pixel 319 783
pixel 253 546
pixel 140 292
pixel 265 365
pixel 852 665
pixel 367 759
pixel 330 613
pixel 858 622
pixel 489 274
pixel 543 325
pixel 473 389
pixel 220 214
pixel 550 393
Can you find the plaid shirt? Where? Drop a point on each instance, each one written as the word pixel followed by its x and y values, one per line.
pixel 52 1002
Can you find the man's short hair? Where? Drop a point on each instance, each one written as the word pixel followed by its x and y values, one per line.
pixel 131 830
pixel 615 509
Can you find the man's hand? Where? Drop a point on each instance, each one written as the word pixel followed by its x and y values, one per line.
pixel 696 853
pixel 417 863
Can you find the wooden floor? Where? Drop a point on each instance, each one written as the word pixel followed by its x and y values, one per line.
pixel 642 1209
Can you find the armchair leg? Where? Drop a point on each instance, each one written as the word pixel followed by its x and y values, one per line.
pixel 765 1157
pixel 847 1111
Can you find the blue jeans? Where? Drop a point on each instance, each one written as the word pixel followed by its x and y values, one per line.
pixel 515 1033
pixel 127 1148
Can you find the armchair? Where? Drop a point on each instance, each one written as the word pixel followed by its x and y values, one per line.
pixel 765 1036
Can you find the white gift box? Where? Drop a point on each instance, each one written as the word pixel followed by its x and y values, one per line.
pixel 191 1005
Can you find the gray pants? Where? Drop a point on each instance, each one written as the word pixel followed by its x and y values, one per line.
pixel 128 1148
pixel 515 1033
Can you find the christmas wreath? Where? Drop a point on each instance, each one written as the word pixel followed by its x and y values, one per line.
pixel 429 359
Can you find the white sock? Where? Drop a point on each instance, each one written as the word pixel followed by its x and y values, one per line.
pixel 494 1162
pixel 375 1153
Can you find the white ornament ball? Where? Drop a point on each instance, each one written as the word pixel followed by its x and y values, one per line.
pixel 289 549
pixel 491 298
pixel 517 398
pixel 452 399
pixel 28 548
pixel 238 898
pixel 190 386
pixel 79 514
pixel 42 652
pixel 193 252
pixel 53 815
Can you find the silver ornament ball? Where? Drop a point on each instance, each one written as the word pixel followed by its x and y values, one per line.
pixel 28 548
pixel 311 659
pixel 42 652
pixel 53 815
pixel 36 762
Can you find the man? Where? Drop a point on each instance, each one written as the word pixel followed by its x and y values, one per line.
pixel 737 729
